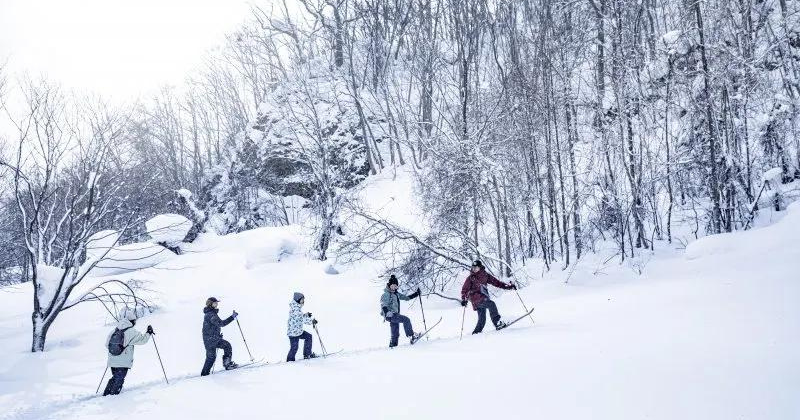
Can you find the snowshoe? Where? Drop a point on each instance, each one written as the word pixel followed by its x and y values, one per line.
pixel 500 325
pixel 311 356
pixel 230 365
pixel 415 337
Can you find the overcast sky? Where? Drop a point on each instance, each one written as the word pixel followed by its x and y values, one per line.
pixel 121 49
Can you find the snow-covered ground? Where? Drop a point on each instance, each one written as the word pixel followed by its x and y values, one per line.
pixel 709 333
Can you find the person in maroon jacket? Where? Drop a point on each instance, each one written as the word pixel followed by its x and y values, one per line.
pixel 476 289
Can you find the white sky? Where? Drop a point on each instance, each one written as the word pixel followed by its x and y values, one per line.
pixel 120 49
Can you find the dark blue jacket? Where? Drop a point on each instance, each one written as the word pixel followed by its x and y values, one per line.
pixel 212 326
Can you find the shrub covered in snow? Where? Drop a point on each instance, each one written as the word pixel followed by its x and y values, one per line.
pixel 168 229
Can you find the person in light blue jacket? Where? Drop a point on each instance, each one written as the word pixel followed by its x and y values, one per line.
pixel 297 319
pixel 390 308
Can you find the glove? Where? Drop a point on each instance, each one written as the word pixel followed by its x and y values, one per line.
pixel 513 286
pixel 308 314
pixel 464 302
pixel 389 314
pixel 150 330
pixel 314 322
pixel 235 314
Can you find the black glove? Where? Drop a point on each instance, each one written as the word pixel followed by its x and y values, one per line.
pixel 464 303
pixel 308 314
pixel 235 314
pixel 314 322
pixel 150 330
pixel 513 286
pixel 415 294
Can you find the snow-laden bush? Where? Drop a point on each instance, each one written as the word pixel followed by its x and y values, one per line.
pixel 168 229
pixel 100 243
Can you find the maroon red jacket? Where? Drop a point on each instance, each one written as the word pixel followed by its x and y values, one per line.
pixel 475 287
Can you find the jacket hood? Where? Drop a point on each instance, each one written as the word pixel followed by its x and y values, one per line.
pixel 124 323
pixel 208 309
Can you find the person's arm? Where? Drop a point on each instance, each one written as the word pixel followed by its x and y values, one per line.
pixel 385 303
pixel 465 289
pixel 497 283
pixel 137 338
pixel 415 294
pixel 227 320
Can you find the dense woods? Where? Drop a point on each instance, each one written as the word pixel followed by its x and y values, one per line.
pixel 535 129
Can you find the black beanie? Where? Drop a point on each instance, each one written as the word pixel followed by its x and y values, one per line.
pixel 477 263
pixel 392 280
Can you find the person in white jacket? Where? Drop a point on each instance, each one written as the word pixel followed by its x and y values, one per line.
pixel 120 363
pixel 295 330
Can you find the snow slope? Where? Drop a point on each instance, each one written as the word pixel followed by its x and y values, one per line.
pixel 709 334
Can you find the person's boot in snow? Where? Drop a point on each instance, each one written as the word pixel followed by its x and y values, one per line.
pixel 415 337
pixel 500 325
pixel 229 364
pixel 311 356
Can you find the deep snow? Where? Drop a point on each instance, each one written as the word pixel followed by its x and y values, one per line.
pixel 711 333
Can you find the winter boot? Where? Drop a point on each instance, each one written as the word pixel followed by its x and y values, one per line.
pixel 415 337
pixel 311 356
pixel 500 325
pixel 229 364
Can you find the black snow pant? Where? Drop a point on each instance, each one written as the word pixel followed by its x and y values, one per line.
pixel 394 325
pixel 114 385
pixel 493 314
pixel 294 343
pixel 211 354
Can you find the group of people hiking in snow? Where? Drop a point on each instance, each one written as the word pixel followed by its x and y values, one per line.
pixel 122 340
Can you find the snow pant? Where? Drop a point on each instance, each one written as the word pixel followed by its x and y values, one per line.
pixel 481 308
pixel 394 326
pixel 294 343
pixel 114 385
pixel 211 355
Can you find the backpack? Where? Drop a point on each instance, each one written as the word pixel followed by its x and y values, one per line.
pixel 116 344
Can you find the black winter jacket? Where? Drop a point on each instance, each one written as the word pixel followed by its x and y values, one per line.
pixel 212 326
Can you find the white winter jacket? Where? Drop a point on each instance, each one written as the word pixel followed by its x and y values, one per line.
pixel 132 338
pixel 296 320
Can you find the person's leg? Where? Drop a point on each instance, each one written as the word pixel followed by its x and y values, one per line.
pixel 120 375
pixel 481 318
pixel 406 325
pixel 293 344
pixel 227 352
pixel 493 312
pixel 394 327
pixel 308 340
pixel 111 383
pixel 211 357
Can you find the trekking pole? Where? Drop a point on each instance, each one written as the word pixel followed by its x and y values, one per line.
pixel 463 315
pixel 425 324
pixel 243 339
pixel 101 380
pixel 153 336
pixel 324 352
pixel 523 305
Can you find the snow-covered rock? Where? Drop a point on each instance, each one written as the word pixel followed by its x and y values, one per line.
pixel 100 243
pixel 168 228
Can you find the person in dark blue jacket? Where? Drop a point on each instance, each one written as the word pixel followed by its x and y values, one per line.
pixel 212 337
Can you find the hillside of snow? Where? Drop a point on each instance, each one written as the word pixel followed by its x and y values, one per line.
pixel 706 333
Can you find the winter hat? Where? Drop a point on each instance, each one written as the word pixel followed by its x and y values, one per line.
pixel 298 297
pixel 392 280
pixel 211 301
pixel 477 263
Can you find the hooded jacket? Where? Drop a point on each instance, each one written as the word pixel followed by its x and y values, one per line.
pixel 296 320
pixel 212 326
pixel 390 301
pixel 476 287
pixel 132 338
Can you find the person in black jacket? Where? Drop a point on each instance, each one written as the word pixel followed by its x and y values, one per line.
pixel 212 337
